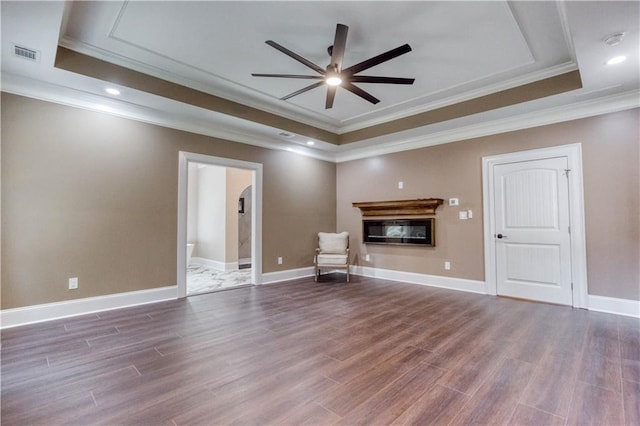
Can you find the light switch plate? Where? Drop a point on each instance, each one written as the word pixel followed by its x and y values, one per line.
pixel 463 215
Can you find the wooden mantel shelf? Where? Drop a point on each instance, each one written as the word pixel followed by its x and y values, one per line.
pixel 421 206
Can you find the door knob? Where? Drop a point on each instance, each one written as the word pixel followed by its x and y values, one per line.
pixel 500 236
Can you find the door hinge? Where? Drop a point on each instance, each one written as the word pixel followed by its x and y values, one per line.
pixel 571 286
pixel 569 229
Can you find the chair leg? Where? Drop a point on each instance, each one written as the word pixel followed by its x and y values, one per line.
pixel 315 277
pixel 347 274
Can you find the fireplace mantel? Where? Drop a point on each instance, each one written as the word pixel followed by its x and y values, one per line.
pixel 418 207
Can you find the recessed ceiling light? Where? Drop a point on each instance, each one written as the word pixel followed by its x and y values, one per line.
pixel 616 60
pixel 310 143
pixel 112 91
pixel 289 149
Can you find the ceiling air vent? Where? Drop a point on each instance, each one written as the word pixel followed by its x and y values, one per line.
pixel 26 53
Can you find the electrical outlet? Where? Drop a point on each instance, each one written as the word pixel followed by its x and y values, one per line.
pixel 279 261
pixel 469 214
pixel 73 283
pixel 400 185
pixel 447 265
pixel 367 258
pixel 454 202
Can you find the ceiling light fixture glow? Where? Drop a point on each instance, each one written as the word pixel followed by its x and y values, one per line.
pixel 333 80
pixel 112 91
pixel 310 143
pixel 616 60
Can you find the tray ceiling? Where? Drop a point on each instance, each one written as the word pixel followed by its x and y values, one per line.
pixel 458 48
pixel 481 67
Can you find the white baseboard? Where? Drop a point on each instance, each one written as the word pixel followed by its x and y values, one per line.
pixel 290 274
pixel 215 264
pixel 612 305
pixel 50 311
pixel 461 284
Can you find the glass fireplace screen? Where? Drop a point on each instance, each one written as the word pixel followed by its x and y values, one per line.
pixel 401 231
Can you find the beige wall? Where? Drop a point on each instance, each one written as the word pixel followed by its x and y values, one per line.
pixel 245 243
pixel 93 196
pixel 611 160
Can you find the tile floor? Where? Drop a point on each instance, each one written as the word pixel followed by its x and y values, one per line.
pixel 203 279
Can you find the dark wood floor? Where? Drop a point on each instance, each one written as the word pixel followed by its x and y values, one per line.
pixel 368 352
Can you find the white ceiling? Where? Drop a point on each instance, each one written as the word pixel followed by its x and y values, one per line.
pixel 461 50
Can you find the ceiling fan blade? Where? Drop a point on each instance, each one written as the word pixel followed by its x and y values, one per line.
pixel 339 44
pixel 376 79
pixel 331 94
pixel 376 60
pixel 295 56
pixel 358 91
pixel 304 89
pixel 313 77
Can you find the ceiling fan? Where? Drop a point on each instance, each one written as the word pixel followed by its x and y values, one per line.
pixel 334 75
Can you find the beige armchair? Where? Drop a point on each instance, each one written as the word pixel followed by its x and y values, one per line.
pixel 332 252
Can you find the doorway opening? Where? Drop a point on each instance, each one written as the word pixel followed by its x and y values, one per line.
pixel 244 228
pixel 534 234
pixel 209 215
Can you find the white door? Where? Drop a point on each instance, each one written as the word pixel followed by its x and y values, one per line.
pixel 532 235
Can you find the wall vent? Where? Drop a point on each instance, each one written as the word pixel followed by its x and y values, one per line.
pixel 26 53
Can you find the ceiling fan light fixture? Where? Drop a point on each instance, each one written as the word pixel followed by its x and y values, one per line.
pixel 334 75
pixel 333 80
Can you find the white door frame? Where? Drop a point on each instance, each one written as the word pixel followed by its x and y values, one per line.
pixel 573 152
pixel 256 212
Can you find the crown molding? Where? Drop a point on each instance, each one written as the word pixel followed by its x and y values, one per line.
pixel 254 99
pixel 575 111
pixel 222 87
pixel 49 92
pixel 425 105
pixel 385 145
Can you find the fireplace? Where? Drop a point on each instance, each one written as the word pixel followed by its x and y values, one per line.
pixel 415 232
